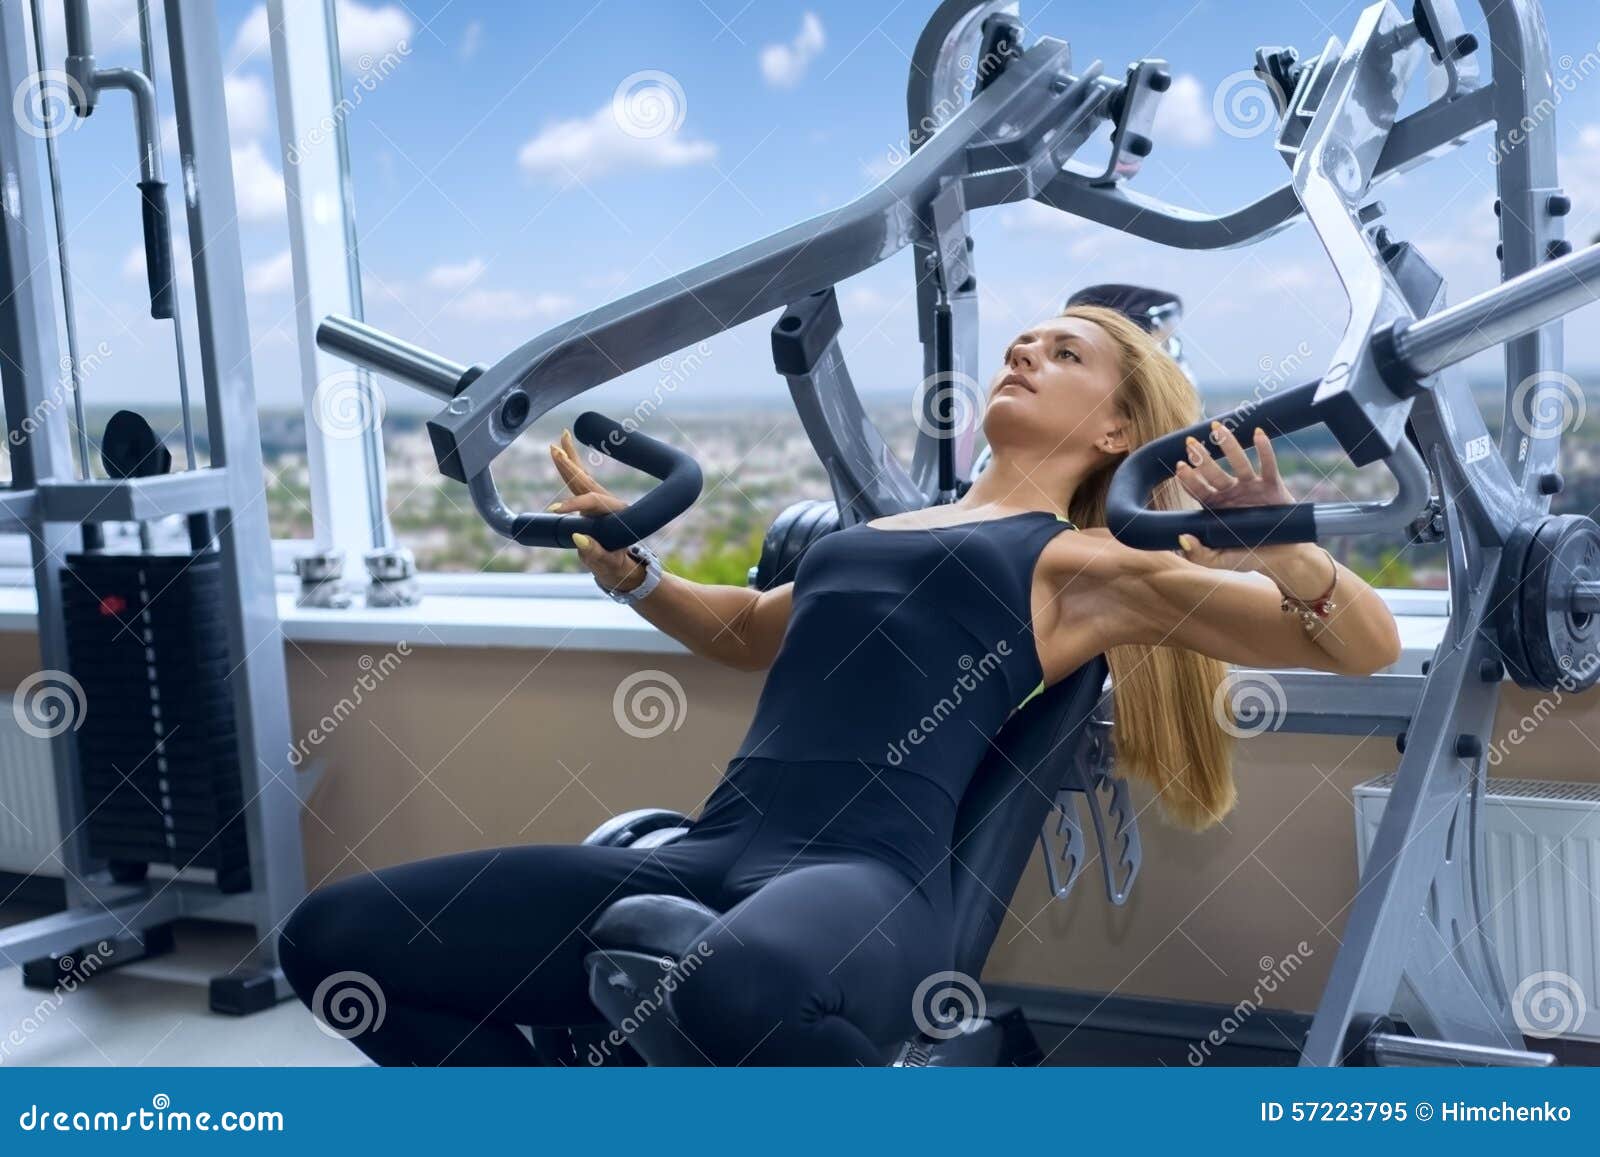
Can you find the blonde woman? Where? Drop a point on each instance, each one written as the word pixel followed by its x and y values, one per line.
pixel 892 660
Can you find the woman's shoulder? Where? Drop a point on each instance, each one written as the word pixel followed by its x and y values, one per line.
pixel 1094 553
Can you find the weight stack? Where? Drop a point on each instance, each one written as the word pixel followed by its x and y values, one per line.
pixel 158 749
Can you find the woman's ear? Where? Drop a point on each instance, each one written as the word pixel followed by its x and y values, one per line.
pixel 1114 440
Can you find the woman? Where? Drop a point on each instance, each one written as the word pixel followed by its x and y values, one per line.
pixel 895 656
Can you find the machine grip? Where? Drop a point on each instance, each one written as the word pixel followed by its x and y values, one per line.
pixel 157 247
pixel 1154 462
pixel 679 488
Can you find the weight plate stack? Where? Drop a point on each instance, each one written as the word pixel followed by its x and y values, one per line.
pixel 789 537
pixel 158 749
pixel 1546 643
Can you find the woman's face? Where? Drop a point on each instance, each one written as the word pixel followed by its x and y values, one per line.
pixel 1057 388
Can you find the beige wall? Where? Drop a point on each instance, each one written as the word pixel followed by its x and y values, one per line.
pixel 459 749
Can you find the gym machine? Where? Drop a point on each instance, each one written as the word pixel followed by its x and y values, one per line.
pixel 992 122
pixel 178 756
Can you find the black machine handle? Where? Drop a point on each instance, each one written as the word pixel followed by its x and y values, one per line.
pixel 1153 463
pixel 157 247
pixel 680 485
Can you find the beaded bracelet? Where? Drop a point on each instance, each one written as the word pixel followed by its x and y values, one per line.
pixel 1317 610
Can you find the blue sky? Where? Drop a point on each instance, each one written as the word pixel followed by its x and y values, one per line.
pixel 494 196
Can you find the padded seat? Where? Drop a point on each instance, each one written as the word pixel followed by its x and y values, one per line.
pixel 642 940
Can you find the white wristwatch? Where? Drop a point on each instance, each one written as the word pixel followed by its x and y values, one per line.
pixel 652 576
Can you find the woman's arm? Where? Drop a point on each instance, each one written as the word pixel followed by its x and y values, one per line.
pixel 1238 618
pixel 739 627
pixel 1203 602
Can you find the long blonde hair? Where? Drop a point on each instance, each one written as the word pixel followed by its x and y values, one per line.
pixel 1167 733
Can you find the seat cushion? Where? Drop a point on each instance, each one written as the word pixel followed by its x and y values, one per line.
pixel 659 925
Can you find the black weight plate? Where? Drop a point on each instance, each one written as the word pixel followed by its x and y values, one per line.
pixel 1508 606
pixel 1561 645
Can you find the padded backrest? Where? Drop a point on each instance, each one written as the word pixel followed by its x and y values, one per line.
pixel 1006 804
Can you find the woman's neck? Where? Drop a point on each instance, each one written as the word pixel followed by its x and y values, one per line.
pixel 1009 484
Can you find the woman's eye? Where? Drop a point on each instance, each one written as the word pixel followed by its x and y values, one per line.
pixel 1067 352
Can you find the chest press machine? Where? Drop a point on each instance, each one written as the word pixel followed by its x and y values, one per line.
pixel 992 122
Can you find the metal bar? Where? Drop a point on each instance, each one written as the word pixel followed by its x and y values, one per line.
pixel 745 283
pixel 30 386
pixel 1495 316
pixel 258 680
pixel 1318 704
pixel 134 500
pixel 1419 136
pixel 1409 847
pixel 74 927
pixel 1525 165
pixel 346 463
pixel 1391 1049
pixel 382 353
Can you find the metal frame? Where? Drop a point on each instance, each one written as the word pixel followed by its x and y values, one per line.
pixel 53 501
pixel 349 512
pixel 1414 943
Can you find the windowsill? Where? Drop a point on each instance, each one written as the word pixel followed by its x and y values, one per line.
pixel 567 612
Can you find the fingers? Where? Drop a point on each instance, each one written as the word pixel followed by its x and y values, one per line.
pixel 592 502
pixel 1268 457
pixel 1196 486
pixel 1200 459
pixel 1237 458
pixel 565 456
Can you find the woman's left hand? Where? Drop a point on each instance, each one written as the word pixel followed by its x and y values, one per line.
pixel 1205 479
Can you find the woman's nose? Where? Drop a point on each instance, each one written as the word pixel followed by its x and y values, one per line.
pixel 1021 357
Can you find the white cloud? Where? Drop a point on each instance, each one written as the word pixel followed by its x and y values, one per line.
pixel 1184 115
pixel 274 275
pixel 365 32
pixel 865 299
pixel 454 277
pixel 257 185
pixel 253 38
pixel 1038 218
pixel 250 113
pixel 115 24
pixel 471 40
pixel 597 144
pixel 784 65
pixel 501 305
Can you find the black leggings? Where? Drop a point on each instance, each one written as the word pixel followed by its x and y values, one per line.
pixel 832 881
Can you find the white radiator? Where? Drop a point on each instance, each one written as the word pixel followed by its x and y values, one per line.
pixel 30 829
pixel 1541 884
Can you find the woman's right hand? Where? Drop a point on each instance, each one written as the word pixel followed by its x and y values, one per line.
pixel 612 569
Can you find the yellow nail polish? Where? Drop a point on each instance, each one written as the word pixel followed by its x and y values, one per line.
pixel 554 506
pixel 583 541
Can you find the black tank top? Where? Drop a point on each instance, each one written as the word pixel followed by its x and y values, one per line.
pixel 906 649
